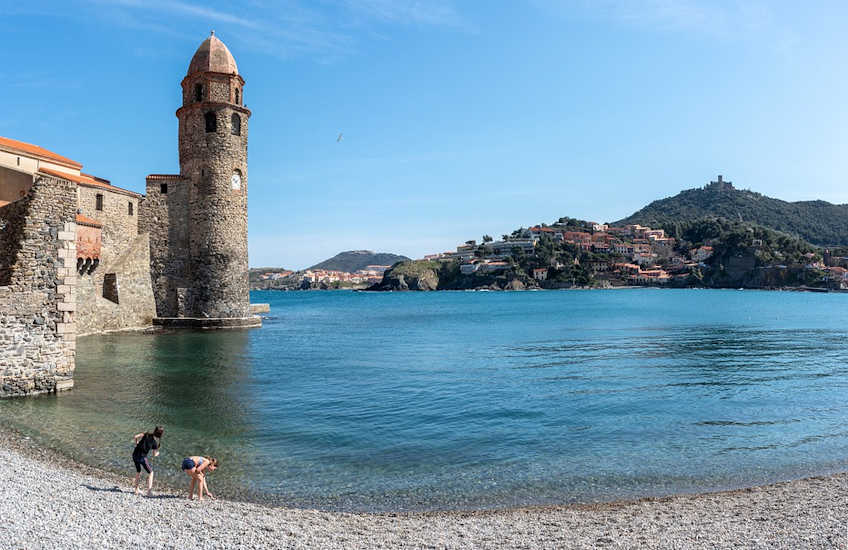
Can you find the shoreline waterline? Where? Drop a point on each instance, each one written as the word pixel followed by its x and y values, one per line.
pixel 24 444
pixel 99 507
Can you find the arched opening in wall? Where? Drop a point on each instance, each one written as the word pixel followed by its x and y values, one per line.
pixel 236 180
pixel 238 99
pixel 198 92
pixel 236 125
pixel 211 122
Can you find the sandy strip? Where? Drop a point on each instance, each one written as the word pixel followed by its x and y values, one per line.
pixel 45 502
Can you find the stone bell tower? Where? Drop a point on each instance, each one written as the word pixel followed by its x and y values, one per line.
pixel 213 161
pixel 198 220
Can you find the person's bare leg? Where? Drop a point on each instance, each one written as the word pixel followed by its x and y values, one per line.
pixel 200 487
pixel 150 484
pixel 191 488
pixel 135 484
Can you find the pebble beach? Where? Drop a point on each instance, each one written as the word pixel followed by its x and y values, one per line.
pixel 48 502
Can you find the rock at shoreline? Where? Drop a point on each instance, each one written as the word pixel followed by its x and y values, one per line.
pixel 411 275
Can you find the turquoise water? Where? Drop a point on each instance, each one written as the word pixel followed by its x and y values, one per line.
pixel 410 401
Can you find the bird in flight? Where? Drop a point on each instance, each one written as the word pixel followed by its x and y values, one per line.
pixel 338 139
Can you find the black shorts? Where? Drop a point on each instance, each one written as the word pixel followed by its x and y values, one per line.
pixel 142 462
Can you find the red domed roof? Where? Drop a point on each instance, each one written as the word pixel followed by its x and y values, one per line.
pixel 213 56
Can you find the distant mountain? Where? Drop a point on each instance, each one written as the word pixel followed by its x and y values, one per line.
pixel 817 222
pixel 354 260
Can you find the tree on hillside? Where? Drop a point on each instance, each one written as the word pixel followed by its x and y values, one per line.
pixel 487 238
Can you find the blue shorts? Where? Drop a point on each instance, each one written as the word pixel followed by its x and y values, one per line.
pixel 142 462
pixel 189 464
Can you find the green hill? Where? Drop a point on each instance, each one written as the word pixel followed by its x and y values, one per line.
pixel 817 222
pixel 354 260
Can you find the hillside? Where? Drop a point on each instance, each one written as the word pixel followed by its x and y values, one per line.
pixel 354 260
pixel 817 222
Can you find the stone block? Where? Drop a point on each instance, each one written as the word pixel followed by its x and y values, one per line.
pixel 66 306
pixel 67 236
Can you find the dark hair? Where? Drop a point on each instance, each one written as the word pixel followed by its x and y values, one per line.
pixel 157 431
pixel 213 461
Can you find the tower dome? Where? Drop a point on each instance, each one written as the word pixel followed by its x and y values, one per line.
pixel 212 56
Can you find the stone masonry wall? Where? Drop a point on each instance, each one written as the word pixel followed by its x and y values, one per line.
pixel 217 212
pixel 127 301
pixel 38 297
pixel 164 216
pixel 119 227
pixel 124 262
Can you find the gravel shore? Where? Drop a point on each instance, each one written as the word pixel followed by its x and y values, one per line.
pixel 45 502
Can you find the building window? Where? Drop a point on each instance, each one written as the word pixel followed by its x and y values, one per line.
pixel 236 180
pixel 198 92
pixel 130 208
pixel 19 161
pixel 98 202
pixel 236 125
pixel 237 97
pixel 211 122
pixel 163 188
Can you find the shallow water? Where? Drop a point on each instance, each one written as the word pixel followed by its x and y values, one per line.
pixel 415 401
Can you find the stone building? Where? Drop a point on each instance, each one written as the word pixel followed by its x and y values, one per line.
pixel 79 255
pixel 71 262
pixel 197 219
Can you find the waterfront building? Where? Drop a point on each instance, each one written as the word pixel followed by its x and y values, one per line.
pixel 197 219
pixel 79 255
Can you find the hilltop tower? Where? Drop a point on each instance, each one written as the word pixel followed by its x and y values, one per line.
pixel 198 219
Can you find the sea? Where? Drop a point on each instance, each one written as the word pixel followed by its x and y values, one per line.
pixel 378 402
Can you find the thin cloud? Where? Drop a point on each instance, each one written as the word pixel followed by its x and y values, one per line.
pixel 723 19
pixel 283 29
pixel 433 13
pixel 184 8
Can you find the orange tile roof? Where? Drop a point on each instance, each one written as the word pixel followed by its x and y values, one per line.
pixel 85 179
pixel 38 151
pixel 88 221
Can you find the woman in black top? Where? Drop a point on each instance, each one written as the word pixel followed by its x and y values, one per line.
pixel 144 443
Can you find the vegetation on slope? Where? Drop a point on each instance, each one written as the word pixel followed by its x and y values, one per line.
pixel 354 260
pixel 817 222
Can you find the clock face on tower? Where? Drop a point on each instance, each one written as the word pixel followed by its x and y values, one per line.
pixel 236 180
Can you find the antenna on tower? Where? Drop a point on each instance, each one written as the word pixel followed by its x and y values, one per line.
pixel 213 33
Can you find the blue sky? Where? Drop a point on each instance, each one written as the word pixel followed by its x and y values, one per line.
pixel 459 118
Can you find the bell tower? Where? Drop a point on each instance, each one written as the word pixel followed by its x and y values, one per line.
pixel 213 127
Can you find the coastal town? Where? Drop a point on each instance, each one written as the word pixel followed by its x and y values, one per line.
pixel 632 254
pixel 314 278
pixel 572 253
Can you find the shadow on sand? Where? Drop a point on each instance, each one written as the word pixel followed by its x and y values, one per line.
pixel 116 489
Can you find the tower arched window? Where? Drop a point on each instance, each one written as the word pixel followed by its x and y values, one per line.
pixel 238 98
pixel 198 92
pixel 211 122
pixel 236 125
